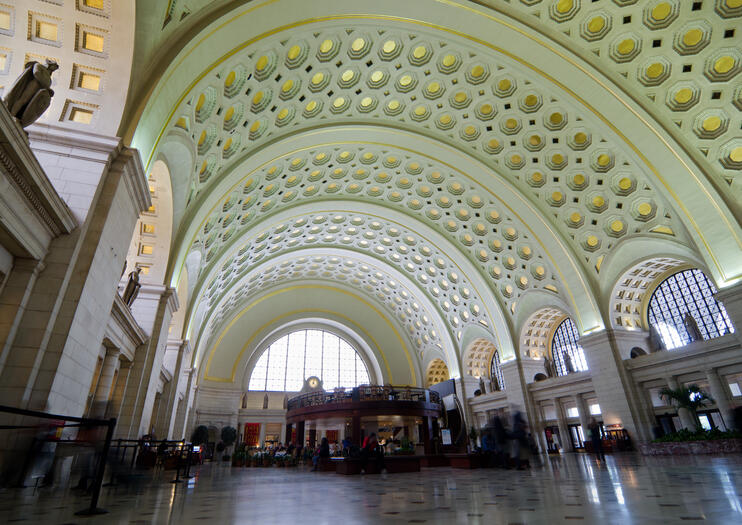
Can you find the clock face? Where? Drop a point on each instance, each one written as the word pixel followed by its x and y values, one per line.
pixel 313 382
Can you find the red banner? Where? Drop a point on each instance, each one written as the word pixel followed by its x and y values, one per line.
pixel 252 434
pixel 332 436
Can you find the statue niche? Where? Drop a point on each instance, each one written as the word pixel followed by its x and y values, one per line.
pixel 31 94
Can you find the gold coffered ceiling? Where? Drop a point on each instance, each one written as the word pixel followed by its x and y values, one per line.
pixel 433 150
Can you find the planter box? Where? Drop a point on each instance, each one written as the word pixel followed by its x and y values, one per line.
pixel 394 464
pixel 466 461
pixel 679 448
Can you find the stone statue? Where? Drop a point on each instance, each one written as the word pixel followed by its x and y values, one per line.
pixel 481 385
pixel 655 339
pixel 568 363
pixel 547 367
pixel 132 287
pixel 31 93
pixel 692 327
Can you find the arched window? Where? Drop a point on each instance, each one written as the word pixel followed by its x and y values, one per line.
pixel 290 360
pixel 567 353
pixel 498 383
pixel 683 293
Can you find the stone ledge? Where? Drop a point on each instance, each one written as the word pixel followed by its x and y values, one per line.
pixel 685 448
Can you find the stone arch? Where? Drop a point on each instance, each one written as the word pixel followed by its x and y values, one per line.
pixel 637 352
pixel 150 245
pixel 477 358
pixel 537 332
pixel 633 289
pixel 437 372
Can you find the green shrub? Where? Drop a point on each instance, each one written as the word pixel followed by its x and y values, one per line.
pixel 700 435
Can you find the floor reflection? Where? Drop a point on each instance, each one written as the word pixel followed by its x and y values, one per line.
pixel 625 489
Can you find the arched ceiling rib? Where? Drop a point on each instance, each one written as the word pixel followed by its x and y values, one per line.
pixel 412 310
pixel 542 145
pixel 446 285
pixel 680 59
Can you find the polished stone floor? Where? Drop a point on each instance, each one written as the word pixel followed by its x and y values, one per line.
pixel 572 488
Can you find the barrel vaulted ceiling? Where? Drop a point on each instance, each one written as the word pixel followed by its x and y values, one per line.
pixel 469 153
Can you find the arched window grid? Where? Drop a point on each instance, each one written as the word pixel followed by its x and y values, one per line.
pixel 498 382
pixel 290 360
pixel 688 291
pixel 567 353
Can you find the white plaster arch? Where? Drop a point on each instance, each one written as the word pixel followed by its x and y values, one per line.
pixel 478 287
pixel 224 360
pixel 177 152
pixel 230 306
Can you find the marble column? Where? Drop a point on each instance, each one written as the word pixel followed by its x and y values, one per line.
pixel 282 435
pixel 119 388
pixel 104 389
pixel 686 419
pixel 721 399
pixel 582 410
pixel 538 427
pixel 181 417
pixel 564 436
pixel 153 310
pixel 53 356
pixel 261 435
pixel 617 395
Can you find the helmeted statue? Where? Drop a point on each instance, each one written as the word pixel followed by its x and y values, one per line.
pixel 132 287
pixel 692 327
pixel 31 93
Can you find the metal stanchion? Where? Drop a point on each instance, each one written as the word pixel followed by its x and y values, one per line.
pixel 177 469
pixel 94 509
pixel 188 462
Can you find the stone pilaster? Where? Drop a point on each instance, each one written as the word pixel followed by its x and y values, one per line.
pixel 721 398
pixel 175 389
pixel 104 389
pixel 119 389
pixel 14 299
pixel 731 298
pixel 583 412
pixel 616 393
pixel 152 310
pixel 564 436
pixel 51 362
pixel 261 437
pixel 184 407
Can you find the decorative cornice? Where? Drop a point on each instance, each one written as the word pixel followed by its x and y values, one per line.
pixel 26 173
pixel 129 163
pixel 122 316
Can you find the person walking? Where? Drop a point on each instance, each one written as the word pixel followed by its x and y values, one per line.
pixel 596 439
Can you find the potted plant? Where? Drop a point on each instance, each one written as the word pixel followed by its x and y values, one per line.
pixel 200 435
pixel 690 398
pixel 238 458
pixel 473 434
pixel 229 436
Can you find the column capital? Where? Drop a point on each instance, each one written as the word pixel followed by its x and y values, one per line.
pixel 112 352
